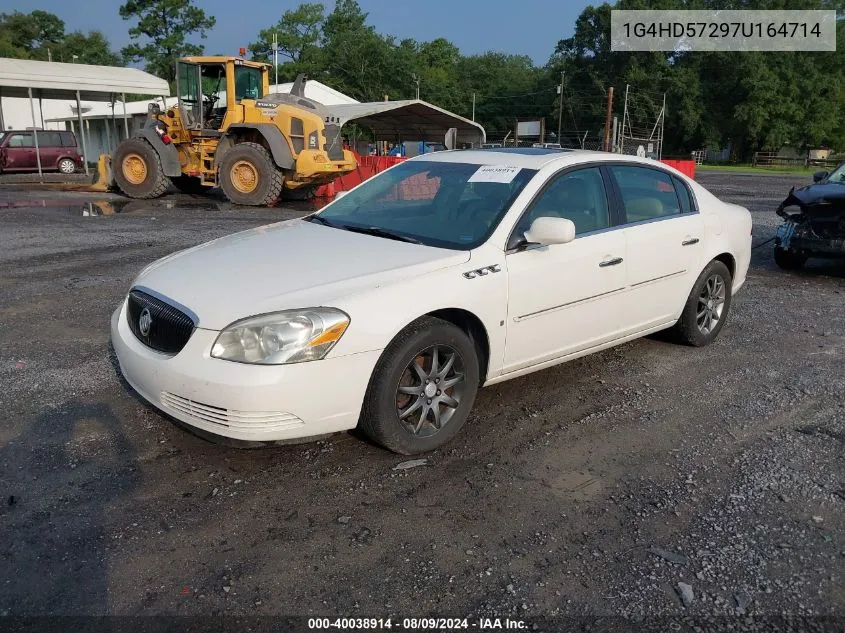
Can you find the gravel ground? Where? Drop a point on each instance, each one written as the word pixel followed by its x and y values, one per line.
pixel 669 485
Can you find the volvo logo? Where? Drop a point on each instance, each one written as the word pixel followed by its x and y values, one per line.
pixel 145 322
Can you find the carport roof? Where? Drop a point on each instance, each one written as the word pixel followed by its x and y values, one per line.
pixel 412 120
pixel 57 80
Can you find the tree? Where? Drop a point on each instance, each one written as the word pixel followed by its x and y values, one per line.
pixel 298 32
pixel 353 57
pixel 92 48
pixel 161 34
pixel 41 35
pixel 30 34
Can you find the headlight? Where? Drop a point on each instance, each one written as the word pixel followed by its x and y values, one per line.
pixel 279 338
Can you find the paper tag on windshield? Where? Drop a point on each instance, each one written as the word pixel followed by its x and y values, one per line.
pixel 495 173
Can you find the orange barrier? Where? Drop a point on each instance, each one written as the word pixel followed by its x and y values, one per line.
pixel 686 167
pixel 368 166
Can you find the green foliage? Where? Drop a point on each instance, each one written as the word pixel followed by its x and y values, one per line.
pixel 161 34
pixel 298 33
pixel 41 35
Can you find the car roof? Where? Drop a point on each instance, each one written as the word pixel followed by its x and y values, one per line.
pixel 531 157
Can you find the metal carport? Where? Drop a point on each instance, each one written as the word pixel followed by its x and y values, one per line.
pixel 56 80
pixel 412 119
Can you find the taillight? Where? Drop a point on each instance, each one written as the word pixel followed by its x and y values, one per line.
pixel 165 138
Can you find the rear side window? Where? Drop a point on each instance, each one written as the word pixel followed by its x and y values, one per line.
pixel 49 139
pixel 647 194
pixel 68 139
pixel 684 195
pixel 21 140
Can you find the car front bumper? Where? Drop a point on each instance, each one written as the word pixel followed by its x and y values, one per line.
pixel 257 403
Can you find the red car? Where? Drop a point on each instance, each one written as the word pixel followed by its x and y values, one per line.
pixel 58 149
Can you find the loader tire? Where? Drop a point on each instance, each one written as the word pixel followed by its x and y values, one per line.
pixel 249 176
pixel 137 169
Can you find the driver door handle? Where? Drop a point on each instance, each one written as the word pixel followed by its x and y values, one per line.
pixel 689 241
pixel 613 261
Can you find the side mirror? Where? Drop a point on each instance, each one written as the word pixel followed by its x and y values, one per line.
pixel 547 231
pixel 819 176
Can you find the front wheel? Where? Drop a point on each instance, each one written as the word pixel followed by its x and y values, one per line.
pixel 789 259
pixel 422 389
pixel 707 306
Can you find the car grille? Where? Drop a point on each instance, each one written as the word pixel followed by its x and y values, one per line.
pixel 334 145
pixel 169 328
pixel 276 420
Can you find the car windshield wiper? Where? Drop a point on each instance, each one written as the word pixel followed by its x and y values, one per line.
pixel 377 232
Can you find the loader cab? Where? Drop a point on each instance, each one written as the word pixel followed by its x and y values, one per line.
pixel 210 88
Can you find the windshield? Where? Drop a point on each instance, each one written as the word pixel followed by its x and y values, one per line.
pixel 837 175
pixel 449 205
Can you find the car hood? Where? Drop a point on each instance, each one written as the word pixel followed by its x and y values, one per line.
pixel 818 193
pixel 292 264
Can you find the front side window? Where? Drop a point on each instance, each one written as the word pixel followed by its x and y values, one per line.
pixel 21 140
pixel 449 205
pixel 647 194
pixel 576 195
pixel 248 84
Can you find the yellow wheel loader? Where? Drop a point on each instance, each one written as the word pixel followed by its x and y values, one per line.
pixel 227 131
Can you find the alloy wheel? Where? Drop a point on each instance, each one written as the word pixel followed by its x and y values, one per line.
pixel 430 390
pixel 711 304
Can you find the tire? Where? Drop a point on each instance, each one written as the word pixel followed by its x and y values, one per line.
pixel 405 365
pixel 67 166
pixel 693 328
pixel 249 176
pixel 189 184
pixel 137 169
pixel 788 259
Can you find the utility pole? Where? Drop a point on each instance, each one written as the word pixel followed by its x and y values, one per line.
pixel 607 119
pixel 417 81
pixel 560 110
pixel 473 106
pixel 624 121
pixel 276 58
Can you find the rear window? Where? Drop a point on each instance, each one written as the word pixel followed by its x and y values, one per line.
pixel 68 139
pixel 21 140
pixel 684 195
pixel 647 194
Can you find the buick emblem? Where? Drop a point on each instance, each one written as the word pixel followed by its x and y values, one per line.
pixel 145 321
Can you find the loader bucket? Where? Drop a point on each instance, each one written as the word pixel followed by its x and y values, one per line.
pixel 105 179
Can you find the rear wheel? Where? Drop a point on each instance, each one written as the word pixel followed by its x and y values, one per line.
pixel 189 184
pixel 422 388
pixel 789 259
pixel 249 176
pixel 67 166
pixel 137 169
pixel 707 307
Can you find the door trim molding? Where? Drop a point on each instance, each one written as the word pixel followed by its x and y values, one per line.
pixel 523 317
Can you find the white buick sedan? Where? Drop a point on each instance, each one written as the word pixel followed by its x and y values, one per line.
pixel 388 309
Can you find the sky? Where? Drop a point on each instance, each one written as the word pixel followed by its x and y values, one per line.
pixel 527 27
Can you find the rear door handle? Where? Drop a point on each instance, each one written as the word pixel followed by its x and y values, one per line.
pixel 610 262
pixel 689 241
